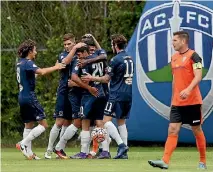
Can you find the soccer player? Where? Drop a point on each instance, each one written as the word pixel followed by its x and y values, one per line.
pixel 30 108
pixel 186 102
pixel 95 50
pixel 63 110
pixel 75 95
pixel 99 54
pixel 120 73
pixel 92 106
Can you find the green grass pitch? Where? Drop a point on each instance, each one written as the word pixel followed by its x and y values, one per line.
pixel 183 160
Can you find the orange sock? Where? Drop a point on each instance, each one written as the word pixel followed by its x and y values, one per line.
pixel 201 146
pixel 170 146
pixel 95 146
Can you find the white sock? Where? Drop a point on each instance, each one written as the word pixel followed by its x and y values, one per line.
pixel 100 146
pixel 113 132
pixel 123 133
pixel 69 133
pixel 63 129
pixel 53 136
pixel 105 145
pixel 25 134
pixel 85 140
pixel 35 132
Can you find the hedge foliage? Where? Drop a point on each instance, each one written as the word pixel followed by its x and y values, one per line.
pixel 46 22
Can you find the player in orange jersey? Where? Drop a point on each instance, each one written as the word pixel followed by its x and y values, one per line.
pixel 186 99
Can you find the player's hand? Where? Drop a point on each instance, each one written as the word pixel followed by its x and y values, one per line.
pixel 82 62
pixel 79 45
pixel 86 78
pixel 93 91
pixel 60 65
pixel 184 93
pixel 70 83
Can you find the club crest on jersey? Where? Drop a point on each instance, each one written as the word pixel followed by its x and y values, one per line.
pixel 154 50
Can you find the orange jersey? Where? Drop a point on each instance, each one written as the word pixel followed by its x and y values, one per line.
pixel 183 74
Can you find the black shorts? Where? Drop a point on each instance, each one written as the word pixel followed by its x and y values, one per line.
pixel 186 114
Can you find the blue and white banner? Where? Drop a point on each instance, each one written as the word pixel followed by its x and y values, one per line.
pixel 151 48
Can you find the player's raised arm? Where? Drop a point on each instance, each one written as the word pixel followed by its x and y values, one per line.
pixel 44 71
pixel 71 54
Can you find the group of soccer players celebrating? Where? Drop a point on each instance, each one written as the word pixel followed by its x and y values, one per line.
pixel 92 91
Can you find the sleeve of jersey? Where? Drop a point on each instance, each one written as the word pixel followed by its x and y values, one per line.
pixel 75 69
pixel 59 58
pixel 101 51
pixel 111 67
pixel 196 61
pixel 31 66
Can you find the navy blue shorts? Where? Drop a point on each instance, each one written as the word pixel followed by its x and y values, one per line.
pixel 75 100
pixel 93 108
pixel 118 109
pixel 63 108
pixel 31 109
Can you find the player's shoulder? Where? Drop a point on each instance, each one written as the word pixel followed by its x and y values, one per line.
pixel 122 55
pixel 63 54
pixel 195 57
pixel 20 61
pixel 30 64
pixel 74 59
pixel 100 51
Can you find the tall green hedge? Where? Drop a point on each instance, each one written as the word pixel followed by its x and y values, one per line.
pixel 46 22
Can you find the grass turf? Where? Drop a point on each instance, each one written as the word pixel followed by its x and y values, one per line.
pixel 184 159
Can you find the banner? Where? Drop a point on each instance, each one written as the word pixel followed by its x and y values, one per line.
pixel 151 49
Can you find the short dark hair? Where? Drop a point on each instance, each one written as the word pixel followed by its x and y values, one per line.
pixel 68 36
pixel 25 47
pixel 89 42
pixel 82 49
pixel 183 35
pixel 119 40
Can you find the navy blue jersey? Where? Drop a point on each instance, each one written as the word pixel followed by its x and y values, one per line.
pixel 99 52
pixel 95 69
pixel 25 69
pixel 64 74
pixel 121 69
pixel 73 67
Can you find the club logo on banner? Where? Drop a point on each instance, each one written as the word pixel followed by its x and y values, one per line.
pixel 154 50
